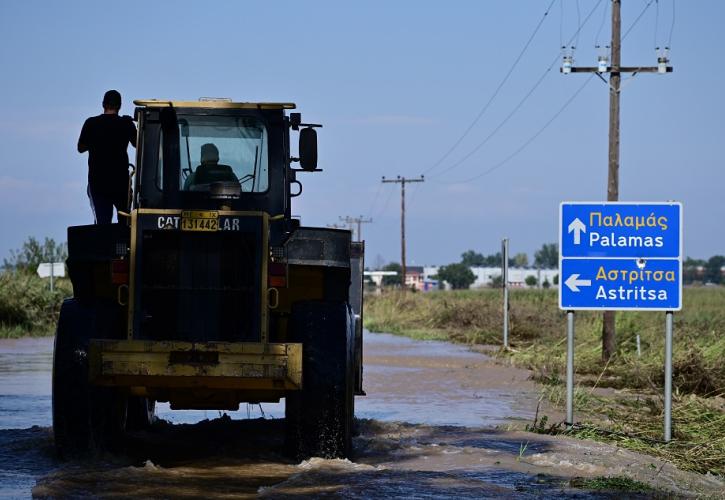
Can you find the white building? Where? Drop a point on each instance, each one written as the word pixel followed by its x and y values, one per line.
pixel 517 275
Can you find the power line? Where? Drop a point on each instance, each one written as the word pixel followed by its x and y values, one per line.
pixel 375 198
pixel 501 124
pixel 561 23
pixel 578 21
pixel 601 25
pixel 530 139
pixel 495 93
pixel 672 26
pixel 637 19
pixel 657 21
pixel 385 205
pixel 414 192
pixel 518 106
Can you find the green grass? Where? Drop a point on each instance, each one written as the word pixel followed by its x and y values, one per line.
pixel 538 334
pixel 614 483
pixel 27 307
pixel 636 422
pixel 631 417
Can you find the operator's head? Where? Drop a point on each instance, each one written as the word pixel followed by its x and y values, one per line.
pixel 209 154
pixel 112 101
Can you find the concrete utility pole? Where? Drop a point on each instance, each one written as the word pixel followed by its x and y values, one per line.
pixel 356 220
pixel 402 181
pixel 615 71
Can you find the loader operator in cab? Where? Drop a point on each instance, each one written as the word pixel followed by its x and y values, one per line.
pixel 209 170
pixel 106 138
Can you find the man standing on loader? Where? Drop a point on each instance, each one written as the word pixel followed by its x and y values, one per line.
pixel 106 138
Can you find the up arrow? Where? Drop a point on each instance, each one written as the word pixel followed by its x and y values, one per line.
pixel 578 227
pixel 573 282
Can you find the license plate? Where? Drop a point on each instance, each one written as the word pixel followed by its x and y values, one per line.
pixel 199 220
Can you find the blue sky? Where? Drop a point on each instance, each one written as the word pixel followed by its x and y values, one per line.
pixel 395 84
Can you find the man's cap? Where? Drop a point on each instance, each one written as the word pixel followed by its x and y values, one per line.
pixel 112 99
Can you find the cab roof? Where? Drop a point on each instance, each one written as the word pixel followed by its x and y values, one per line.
pixel 213 104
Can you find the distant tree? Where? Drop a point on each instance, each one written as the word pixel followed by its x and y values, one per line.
pixel 556 279
pixel 546 283
pixel 475 259
pixel 713 274
pixel 392 280
pixel 547 256
pixel 459 275
pixel 521 260
pixel 689 269
pixel 531 280
pixel 690 262
pixel 496 281
pixel 33 252
pixel 472 259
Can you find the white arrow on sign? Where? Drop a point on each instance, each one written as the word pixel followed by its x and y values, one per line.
pixel 578 227
pixel 573 282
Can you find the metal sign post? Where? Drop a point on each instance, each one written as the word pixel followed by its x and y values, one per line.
pixel 669 316
pixel 569 369
pixel 505 280
pixel 619 256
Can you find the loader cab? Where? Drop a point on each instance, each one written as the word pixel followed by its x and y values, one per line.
pixel 214 155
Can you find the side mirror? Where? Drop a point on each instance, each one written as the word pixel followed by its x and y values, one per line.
pixel 308 149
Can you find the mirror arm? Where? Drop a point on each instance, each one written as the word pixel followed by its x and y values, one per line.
pixel 303 170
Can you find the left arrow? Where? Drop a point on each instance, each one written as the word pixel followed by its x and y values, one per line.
pixel 573 282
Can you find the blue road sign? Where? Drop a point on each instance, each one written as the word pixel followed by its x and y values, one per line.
pixel 617 229
pixel 620 256
pixel 619 284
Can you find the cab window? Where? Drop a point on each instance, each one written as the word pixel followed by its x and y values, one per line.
pixel 221 149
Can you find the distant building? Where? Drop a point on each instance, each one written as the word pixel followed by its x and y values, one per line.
pixel 517 276
pixel 377 276
pixel 414 277
pixel 425 279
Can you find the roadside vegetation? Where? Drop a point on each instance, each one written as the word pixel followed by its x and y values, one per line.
pixel 27 306
pixel 619 401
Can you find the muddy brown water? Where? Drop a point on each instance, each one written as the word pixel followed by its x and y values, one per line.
pixel 435 424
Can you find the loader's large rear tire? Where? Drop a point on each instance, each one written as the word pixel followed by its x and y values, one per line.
pixel 85 418
pixel 319 418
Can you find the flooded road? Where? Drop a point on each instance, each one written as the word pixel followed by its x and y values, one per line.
pixel 434 425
